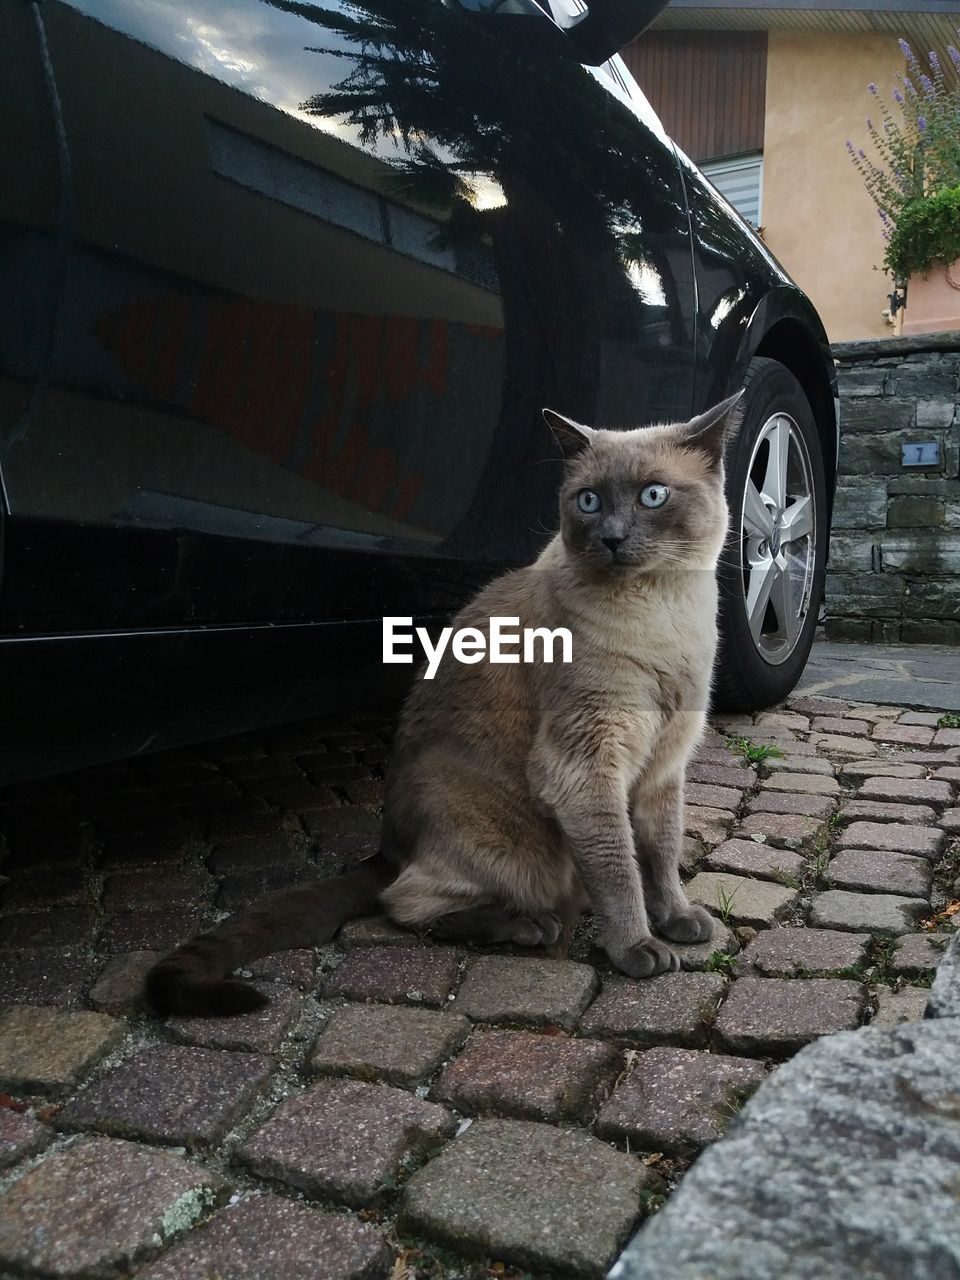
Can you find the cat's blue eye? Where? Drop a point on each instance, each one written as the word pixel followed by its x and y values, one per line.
pixel 588 502
pixel 654 495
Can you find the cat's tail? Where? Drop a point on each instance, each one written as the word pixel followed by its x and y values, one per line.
pixel 193 979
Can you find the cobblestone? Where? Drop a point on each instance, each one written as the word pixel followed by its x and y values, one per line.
pixel 911 734
pixel 744 901
pixel 376 931
pixel 528 1076
pixel 295 968
pixel 875 871
pixel 673 1008
pixel 693 956
pixel 782 953
pixel 811 784
pixel 778 1016
pixel 135 877
pixel 918 951
pixel 708 825
pixel 854 769
pixel 261 1031
pixel 841 745
pixel 21 1134
pixel 396 975
pixel 110 1204
pixel 677 1100
pixel 160 929
pixel 839 724
pixel 882 811
pixel 798 764
pixel 345 1139
pixel 45 1050
pixel 43 976
pixel 787 830
pixel 183 1096
pixel 119 989
pixel 895 837
pixel 905 1005
pixel 906 790
pixel 65 926
pixel 783 802
pixel 747 857
pixel 527 1193
pixel 866 912
pixel 267 1238
pixel 721 775
pixel 702 795
pixel 526 990
pixel 394 1044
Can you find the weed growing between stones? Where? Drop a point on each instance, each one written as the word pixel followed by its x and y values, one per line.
pixel 949 720
pixel 751 752
pixel 719 962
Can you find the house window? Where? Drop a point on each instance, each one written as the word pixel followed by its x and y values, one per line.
pixel 741 181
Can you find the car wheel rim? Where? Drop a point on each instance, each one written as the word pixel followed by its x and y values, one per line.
pixel 778 538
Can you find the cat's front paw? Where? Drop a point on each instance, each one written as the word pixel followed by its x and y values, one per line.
pixel 693 925
pixel 645 959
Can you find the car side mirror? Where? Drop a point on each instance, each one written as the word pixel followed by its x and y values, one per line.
pixel 592 36
pixel 609 25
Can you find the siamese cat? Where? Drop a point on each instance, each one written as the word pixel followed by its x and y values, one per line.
pixel 518 794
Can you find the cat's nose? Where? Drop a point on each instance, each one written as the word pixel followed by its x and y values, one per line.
pixel 612 544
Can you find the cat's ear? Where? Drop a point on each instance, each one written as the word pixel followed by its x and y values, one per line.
pixel 572 437
pixel 708 432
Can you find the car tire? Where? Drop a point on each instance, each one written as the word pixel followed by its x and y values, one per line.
pixel 771 584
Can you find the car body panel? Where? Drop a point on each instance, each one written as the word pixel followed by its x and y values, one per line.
pixel 284 373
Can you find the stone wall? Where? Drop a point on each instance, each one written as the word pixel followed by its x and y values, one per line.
pixel 894 569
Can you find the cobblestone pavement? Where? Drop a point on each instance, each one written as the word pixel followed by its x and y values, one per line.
pixel 409 1110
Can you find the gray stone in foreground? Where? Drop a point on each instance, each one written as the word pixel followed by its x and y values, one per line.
pixel 345 1139
pixel 548 1199
pixel 109 1203
pixel 866 912
pixel 844 1164
pixel 678 1100
pixel 385 1042
pixel 877 871
pixel 265 1236
pixel 744 901
pixel 777 1016
pixel 945 993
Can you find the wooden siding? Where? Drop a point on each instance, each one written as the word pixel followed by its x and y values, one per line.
pixel 708 87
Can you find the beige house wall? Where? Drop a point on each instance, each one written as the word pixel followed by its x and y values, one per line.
pixel 816 214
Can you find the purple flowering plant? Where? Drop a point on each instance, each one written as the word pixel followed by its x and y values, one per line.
pixel 916 157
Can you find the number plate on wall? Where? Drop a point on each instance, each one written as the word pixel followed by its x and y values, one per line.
pixel 924 454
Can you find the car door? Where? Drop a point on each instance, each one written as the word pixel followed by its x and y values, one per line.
pixel 312 309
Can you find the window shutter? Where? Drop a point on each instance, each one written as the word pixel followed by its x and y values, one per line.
pixel 741 181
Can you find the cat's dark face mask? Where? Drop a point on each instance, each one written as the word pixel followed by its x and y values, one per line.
pixel 646 500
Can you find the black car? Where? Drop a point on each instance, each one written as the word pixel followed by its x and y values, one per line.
pixel 284 288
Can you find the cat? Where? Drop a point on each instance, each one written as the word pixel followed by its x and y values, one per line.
pixel 518 794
